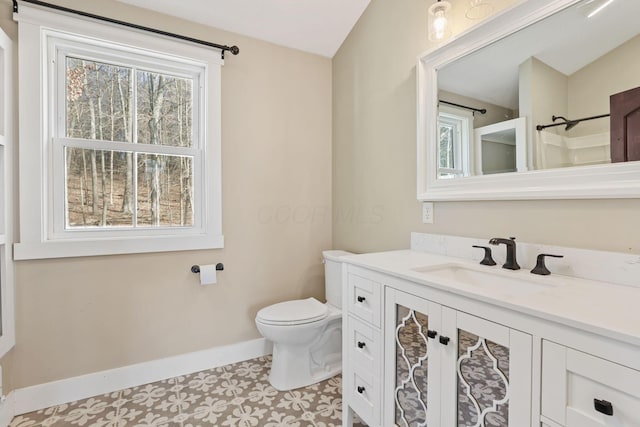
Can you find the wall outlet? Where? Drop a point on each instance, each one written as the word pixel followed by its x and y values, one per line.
pixel 427 212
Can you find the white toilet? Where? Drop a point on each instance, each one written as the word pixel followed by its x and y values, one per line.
pixel 306 334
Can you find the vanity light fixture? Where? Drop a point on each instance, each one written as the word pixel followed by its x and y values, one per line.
pixel 592 7
pixel 438 22
pixel 478 9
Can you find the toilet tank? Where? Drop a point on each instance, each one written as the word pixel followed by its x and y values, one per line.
pixel 333 276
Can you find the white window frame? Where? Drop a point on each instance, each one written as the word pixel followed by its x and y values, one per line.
pixel 45 37
pixel 462 121
pixel 7 142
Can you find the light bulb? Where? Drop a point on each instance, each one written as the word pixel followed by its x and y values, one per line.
pixel 440 24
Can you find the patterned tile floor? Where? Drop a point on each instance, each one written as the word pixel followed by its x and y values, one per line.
pixel 232 395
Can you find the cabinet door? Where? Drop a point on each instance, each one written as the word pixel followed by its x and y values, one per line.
pixel 411 361
pixel 486 373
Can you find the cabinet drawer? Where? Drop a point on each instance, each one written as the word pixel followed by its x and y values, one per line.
pixel 364 298
pixel 365 347
pixel 585 379
pixel 364 397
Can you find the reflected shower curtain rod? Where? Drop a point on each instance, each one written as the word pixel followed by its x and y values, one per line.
pixel 475 110
pixel 569 123
pixel 223 48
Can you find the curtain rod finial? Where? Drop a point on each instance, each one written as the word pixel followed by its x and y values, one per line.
pixel 235 50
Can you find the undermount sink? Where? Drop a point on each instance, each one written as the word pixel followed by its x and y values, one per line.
pixel 492 279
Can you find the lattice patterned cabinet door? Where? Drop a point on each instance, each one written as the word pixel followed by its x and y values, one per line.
pixel 413 356
pixel 492 365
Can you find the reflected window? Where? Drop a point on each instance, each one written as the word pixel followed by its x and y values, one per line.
pixel 454 141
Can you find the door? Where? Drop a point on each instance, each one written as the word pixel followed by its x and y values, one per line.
pixel 486 373
pixel 412 361
pixel 625 126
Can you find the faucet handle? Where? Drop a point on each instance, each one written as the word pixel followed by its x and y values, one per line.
pixel 488 260
pixel 540 267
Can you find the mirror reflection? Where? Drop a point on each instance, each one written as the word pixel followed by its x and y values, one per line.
pixel 563 92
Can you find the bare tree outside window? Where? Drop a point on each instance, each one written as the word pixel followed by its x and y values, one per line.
pixel 128 187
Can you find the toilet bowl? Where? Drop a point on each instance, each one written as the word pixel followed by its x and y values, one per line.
pixel 306 334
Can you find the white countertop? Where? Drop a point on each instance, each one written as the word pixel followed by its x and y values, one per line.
pixel 597 307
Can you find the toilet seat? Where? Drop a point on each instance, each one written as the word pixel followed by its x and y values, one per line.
pixel 294 312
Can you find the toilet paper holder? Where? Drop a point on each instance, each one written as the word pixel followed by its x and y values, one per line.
pixel 196 268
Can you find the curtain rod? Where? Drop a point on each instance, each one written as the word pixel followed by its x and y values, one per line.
pixel 569 123
pixel 475 110
pixel 233 49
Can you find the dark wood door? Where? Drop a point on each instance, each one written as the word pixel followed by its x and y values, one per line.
pixel 625 126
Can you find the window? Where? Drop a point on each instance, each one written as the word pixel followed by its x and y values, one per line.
pixel 129 140
pixel 7 285
pixel 455 128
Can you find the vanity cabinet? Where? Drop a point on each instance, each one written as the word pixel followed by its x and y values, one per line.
pixel 581 390
pixel 418 353
pixel 409 359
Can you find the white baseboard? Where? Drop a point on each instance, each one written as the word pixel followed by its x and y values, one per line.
pixel 7 410
pixel 41 396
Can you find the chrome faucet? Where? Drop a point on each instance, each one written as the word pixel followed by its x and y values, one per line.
pixel 511 263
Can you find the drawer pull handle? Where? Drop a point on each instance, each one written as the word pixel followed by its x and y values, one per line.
pixel 431 334
pixel 444 340
pixel 361 299
pixel 361 344
pixel 603 406
pixel 360 389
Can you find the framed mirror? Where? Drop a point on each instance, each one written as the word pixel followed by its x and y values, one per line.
pixel 541 101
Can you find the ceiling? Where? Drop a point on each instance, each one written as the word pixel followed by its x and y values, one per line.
pixel 316 26
pixel 566 41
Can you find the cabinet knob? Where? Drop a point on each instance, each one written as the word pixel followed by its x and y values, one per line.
pixel 444 340
pixel 603 406
pixel 360 389
pixel 361 344
pixel 431 334
pixel 361 299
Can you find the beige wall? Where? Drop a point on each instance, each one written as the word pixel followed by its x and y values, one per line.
pixel 374 152
pixel 591 86
pixel 542 95
pixel 81 315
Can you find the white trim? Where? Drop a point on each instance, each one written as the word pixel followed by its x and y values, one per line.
pixel 7 409
pixel 7 187
pixel 41 396
pixel 80 248
pixel 583 182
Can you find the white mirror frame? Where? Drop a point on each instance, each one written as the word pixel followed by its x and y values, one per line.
pixel 620 180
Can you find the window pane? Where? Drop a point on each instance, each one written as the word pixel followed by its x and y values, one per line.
pixel 99 101
pixel 99 191
pixel 446 153
pixel 165 109
pixel 165 190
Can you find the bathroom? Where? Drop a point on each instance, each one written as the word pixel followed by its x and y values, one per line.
pixel 318 152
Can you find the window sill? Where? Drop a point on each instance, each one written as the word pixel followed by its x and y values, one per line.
pixel 83 248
